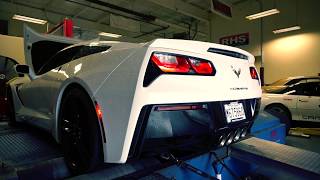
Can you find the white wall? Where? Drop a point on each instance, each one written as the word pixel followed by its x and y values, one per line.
pixel 288 54
pixel 12 47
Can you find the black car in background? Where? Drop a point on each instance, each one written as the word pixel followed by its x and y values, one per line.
pixel 7 73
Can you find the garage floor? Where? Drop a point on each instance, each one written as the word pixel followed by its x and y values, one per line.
pixel 26 152
pixel 24 145
pixel 311 144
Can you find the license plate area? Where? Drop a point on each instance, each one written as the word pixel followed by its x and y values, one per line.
pixel 234 112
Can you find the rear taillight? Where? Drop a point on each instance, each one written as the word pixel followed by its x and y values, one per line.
pixel 253 73
pixel 169 63
pixel 173 63
pixel 201 67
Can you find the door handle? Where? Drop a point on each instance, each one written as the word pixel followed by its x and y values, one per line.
pixel 303 100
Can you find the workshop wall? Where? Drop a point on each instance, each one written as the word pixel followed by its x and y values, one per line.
pixel 287 54
pixel 15 27
pixel 12 47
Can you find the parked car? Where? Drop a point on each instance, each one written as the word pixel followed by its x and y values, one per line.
pixel 112 101
pixel 300 101
pixel 282 83
pixel 7 72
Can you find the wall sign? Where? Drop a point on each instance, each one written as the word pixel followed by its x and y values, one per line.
pixel 221 8
pixel 235 40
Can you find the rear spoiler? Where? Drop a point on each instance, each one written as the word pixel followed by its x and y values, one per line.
pixel 201 48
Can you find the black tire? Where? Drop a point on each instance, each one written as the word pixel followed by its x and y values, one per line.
pixel 79 132
pixel 11 113
pixel 282 113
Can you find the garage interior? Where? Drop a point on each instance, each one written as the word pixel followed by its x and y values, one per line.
pixel 271 152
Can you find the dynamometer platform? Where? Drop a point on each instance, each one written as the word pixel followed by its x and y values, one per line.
pixel 28 153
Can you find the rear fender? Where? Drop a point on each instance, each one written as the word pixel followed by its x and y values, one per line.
pixel 64 88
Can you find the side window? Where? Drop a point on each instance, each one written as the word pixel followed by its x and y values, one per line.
pixel 87 50
pixel 70 54
pixel 59 59
pixel 293 81
pixel 314 80
pixel 316 89
pixel 308 89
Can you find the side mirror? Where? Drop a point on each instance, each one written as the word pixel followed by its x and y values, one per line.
pixel 22 69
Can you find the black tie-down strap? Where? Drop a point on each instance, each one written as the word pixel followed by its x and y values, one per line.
pixel 183 164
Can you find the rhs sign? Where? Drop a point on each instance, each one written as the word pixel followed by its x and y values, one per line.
pixel 235 40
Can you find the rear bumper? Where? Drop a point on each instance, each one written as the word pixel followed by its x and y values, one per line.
pixel 222 133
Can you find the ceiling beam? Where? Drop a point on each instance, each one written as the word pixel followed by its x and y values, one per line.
pixel 102 17
pixel 159 21
pixel 37 12
pixel 87 23
pixel 84 9
pixel 122 9
pixel 47 4
pixel 156 22
pixel 184 8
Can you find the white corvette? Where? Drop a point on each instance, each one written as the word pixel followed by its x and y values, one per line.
pixel 300 101
pixel 112 101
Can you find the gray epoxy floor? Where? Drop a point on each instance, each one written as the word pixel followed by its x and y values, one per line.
pixel 311 144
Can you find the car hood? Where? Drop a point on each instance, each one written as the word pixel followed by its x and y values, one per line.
pixel 272 89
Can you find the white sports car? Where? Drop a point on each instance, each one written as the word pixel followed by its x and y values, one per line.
pixel 282 83
pixel 300 101
pixel 112 101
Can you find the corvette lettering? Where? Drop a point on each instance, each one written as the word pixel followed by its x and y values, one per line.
pixel 239 88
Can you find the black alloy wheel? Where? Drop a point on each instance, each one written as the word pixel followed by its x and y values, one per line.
pixel 282 113
pixel 80 132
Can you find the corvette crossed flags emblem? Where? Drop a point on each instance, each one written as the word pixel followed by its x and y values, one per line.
pixel 236 72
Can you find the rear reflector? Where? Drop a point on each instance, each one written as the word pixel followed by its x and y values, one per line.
pixel 179 107
pixel 99 111
pixel 173 63
pixel 253 73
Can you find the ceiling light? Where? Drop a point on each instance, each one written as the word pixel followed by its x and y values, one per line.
pixel 263 14
pixel 29 19
pixel 110 35
pixel 293 28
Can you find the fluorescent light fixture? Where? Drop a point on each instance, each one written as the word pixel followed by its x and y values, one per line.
pixel 293 28
pixel 110 35
pixel 29 19
pixel 263 14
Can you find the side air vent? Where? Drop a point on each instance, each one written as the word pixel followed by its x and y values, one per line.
pixel 228 53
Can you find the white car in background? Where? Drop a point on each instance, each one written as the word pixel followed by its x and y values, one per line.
pixel 300 101
pixel 112 101
pixel 282 83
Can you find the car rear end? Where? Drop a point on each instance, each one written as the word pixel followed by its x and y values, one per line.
pixel 192 95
